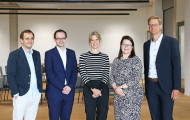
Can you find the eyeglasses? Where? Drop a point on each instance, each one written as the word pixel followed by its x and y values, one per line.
pixel 127 45
pixel 60 38
pixel 153 25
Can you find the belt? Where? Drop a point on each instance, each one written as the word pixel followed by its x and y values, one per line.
pixel 153 79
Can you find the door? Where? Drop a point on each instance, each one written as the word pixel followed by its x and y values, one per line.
pixel 181 41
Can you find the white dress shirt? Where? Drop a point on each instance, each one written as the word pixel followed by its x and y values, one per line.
pixel 154 47
pixel 63 55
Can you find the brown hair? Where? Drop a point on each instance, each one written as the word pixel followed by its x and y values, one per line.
pixel 25 31
pixel 133 45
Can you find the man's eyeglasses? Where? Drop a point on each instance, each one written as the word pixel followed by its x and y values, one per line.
pixel 127 45
pixel 153 25
pixel 60 38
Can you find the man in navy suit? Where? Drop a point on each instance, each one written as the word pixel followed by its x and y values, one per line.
pixel 162 71
pixel 25 78
pixel 61 71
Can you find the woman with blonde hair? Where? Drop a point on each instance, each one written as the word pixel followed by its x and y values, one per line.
pixel 94 70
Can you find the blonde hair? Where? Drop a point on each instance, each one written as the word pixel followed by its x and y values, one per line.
pixel 94 33
pixel 155 17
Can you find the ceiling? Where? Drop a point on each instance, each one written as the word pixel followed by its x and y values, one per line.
pixel 72 7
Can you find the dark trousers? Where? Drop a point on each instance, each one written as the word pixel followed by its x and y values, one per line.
pixel 96 107
pixel 160 103
pixel 60 108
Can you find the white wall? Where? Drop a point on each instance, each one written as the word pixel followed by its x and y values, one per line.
pixel 4 40
pixel 187 48
pixel 112 28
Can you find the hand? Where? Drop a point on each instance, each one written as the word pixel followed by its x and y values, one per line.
pixel 16 97
pixel 175 94
pixel 119 91
pixel 66 90
pixel 124 86
pixel 96 93
pixel 94 96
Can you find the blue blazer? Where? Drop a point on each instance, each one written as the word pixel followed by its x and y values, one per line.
pixel 18 72
pixel 167 64
pixel 56 73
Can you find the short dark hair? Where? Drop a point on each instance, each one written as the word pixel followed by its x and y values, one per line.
pixel 133 45
pixel 60 30
pixel 25 31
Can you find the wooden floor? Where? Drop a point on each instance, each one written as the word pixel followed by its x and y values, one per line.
pixel 181 110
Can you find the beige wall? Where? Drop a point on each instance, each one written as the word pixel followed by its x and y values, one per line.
pixel 155 9
pixel 180 10
pixel 112 28
pixel 4 40
pixel 182 14
pixel 187 48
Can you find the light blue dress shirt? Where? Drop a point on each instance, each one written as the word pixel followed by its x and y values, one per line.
pixel 33 90
pixel 154 47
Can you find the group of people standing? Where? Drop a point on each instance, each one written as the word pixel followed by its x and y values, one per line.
pixel 161 69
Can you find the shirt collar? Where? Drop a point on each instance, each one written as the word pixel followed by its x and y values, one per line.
pixel 60 51
pixel 159 39
pixel 26 53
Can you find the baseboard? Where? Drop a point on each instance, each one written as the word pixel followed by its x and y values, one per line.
pixel 187 94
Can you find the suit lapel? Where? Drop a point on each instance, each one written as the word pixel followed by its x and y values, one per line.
pixel 23 56
pixel 34 59
pixel 68 60
pixel 57 55
pixel 162 45
pixel 148 52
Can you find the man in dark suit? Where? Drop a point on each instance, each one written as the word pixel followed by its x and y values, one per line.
pixel 25 78
pixel 162 71
pixel 61 71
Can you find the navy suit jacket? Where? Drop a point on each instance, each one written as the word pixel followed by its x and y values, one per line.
pixel 18 72
pixel 167 64
pixel 56 73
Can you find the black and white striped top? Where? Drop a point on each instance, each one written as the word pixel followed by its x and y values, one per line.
pixel 94 67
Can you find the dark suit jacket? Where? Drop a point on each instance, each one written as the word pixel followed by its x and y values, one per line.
pixel 18 72
pixel 56 73
pixel 167 64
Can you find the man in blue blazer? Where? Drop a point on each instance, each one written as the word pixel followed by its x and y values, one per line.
pixel 25 78
pixel 162 71
pixel 61 71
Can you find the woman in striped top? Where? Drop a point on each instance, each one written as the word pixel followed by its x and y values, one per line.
pixel 94 70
